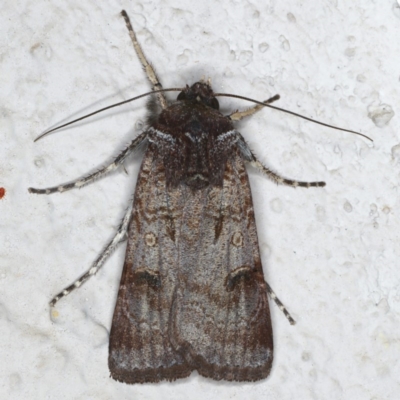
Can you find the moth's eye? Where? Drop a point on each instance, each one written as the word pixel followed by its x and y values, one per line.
pixel 214 103
pixel 181 96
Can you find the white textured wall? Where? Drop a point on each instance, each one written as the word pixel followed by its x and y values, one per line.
pixel 331 254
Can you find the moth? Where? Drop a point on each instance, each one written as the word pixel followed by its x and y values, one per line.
pixel 192 294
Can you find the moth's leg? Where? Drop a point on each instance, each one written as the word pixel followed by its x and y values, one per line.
pixel 251 158
pixel 151 74
pixel 281 180
pixel 96 175
pixel 274 297
pixel 119 237
pixel 239 115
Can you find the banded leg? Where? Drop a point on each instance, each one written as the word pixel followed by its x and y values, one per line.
pixel 239 115
pixel 96 175
pixel 251 158
pixel 151 74
pixel 274 297
pixel 283 181
pixel 119 237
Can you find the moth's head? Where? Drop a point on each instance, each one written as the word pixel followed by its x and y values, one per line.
pixel 201 92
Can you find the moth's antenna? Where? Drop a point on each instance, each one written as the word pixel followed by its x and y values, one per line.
pixel 151 74
pixel 107 108
pixel 289 112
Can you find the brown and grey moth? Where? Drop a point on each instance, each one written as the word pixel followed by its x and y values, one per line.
pixel 192 295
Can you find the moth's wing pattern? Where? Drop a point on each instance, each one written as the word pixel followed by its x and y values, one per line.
pixel 198 299
pixel 220 318
pixel 139 349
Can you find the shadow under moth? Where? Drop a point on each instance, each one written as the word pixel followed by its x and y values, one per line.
pixel 192 294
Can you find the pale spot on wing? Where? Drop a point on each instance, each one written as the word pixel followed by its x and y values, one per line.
pixel 150 239
pixel 237 239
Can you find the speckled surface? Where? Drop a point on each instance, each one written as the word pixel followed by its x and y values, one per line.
pixel 332 254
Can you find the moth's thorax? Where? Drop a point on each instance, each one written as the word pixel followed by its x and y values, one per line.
pixel 194 141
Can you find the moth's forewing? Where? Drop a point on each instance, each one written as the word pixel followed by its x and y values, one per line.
pixel 220 314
